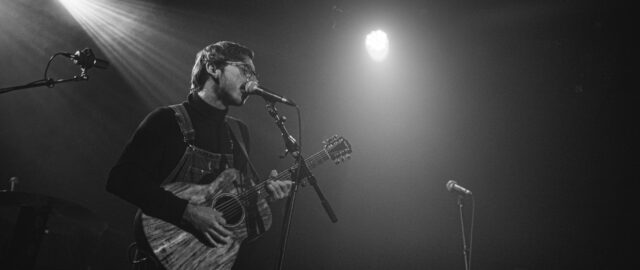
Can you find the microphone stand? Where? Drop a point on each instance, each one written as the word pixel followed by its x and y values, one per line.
pixel 302 172
pixel 49 82
pixel 464 241
pixel 85 59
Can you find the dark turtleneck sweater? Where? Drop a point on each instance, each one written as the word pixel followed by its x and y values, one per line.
pixel 156 148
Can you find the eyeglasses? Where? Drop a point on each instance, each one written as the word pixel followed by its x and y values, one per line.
pixel 246 69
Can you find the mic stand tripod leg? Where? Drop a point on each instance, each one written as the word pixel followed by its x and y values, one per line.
pixel 286 224
pixel 323 200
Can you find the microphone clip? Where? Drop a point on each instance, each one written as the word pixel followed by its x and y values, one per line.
pixel 291 145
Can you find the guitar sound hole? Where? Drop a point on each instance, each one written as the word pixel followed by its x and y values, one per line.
pixel 231 209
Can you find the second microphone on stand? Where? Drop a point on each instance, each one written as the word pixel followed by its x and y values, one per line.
pixel 452 186
pixel 253 88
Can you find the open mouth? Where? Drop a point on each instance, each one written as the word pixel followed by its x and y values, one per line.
pixel 243 92
pixel 243 87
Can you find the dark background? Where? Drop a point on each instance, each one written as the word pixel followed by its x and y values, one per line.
pixel 520 101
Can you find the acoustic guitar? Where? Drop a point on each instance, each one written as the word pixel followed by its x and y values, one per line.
pixel 176 248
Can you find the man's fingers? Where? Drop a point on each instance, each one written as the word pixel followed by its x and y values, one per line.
pixel 273 173
pixel 276 190
pixel 208 224
pixel 210 240
pixel 270 187
pixel 287 186
pixel 219 225
pixel 280 189
pixel 273 190
pixel 220 219
pixel 222 230
pixel 218 237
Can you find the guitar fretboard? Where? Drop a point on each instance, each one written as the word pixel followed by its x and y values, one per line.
pixel 261 188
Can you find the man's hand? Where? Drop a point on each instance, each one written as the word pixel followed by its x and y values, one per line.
pixel 208 225
pixel 279 188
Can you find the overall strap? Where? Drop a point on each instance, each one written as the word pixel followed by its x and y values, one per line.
pixel 235 128
pixel 188 133
pixel 255 225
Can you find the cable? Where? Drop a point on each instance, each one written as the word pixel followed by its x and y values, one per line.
pixel 47 69
pixel 299 157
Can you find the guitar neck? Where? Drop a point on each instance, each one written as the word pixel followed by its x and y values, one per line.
pixel 312 162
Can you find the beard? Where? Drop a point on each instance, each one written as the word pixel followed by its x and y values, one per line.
pixel 232 97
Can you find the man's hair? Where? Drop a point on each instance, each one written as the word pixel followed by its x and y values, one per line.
pixel 216 54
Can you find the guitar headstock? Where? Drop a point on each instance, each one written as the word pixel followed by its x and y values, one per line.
pixel 338 148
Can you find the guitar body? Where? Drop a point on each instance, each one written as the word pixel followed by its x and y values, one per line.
pixel 176 248
pixel 246 212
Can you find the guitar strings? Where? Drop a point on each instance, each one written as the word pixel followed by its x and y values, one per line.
pixel 285 174
pixel 256 188
pixel 313 159
pixel 259 186
pixel 231 208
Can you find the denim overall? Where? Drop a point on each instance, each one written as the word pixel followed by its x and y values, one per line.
pixel 196 166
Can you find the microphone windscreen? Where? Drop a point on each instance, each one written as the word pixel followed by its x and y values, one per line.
pixel 450 184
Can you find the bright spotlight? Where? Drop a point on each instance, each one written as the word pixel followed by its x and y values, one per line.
pixel 377 45
pixel 135 40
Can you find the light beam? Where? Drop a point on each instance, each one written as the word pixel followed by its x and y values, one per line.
pixel 138 43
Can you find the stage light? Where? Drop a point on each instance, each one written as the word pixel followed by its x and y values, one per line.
pixel 139 44
pixel 377 45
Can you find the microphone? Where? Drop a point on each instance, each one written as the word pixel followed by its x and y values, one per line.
pixel 86 59
pixel 252 88
pixel 452 186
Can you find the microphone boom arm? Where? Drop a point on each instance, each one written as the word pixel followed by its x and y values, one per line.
pixel 84 58
pixel 49 83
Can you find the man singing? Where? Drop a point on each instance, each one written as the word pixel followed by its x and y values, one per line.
pixel 192 142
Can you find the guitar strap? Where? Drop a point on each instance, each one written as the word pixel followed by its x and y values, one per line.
pixel 255 225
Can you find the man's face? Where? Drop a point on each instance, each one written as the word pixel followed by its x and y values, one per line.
pixel 234 76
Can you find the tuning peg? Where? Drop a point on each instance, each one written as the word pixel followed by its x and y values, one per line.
pixel 348 156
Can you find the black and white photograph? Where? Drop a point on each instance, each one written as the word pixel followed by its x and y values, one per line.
pixel 316 135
